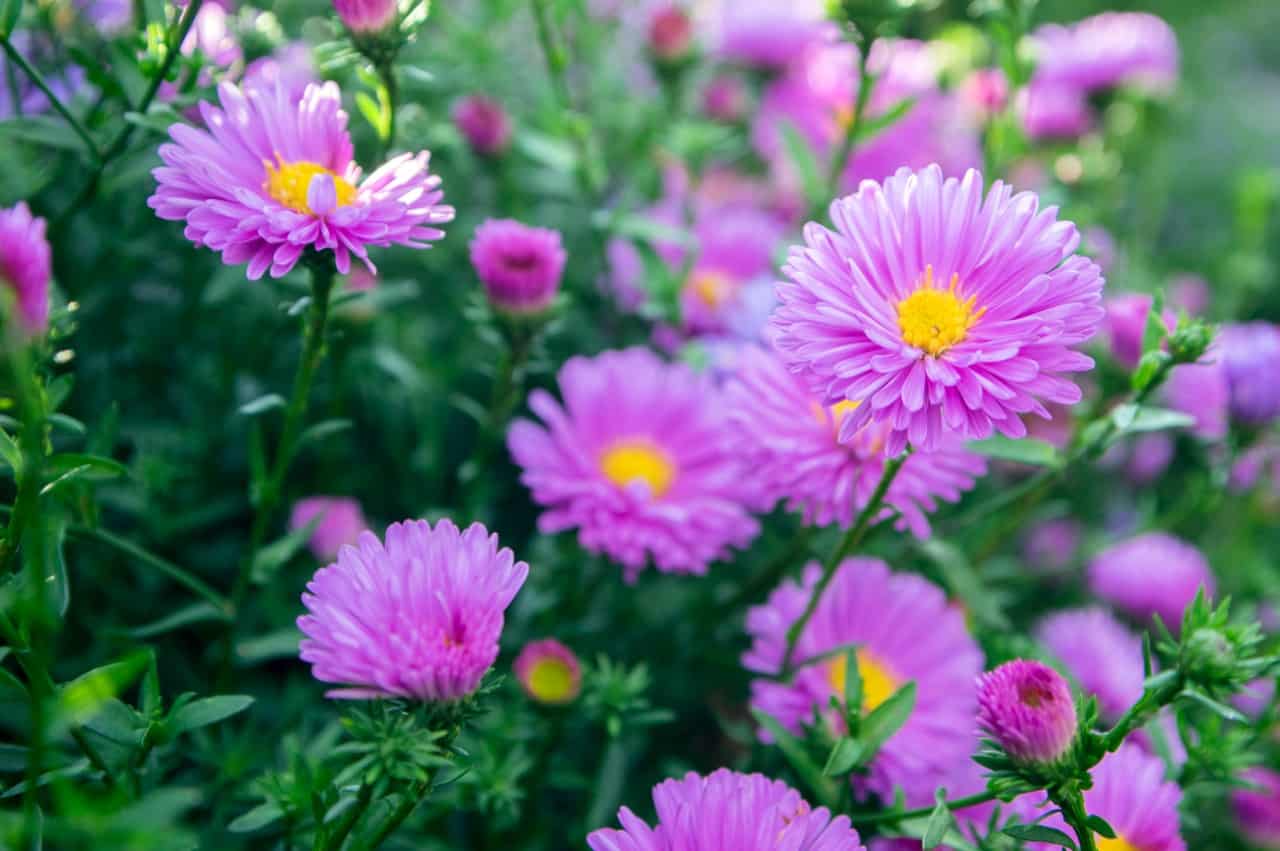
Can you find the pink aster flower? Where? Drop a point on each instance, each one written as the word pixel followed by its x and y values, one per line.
pixel 1130 793
pixel 636 461
pixel 271 178
pixel 791 444
pixel 1202 391
pixel 1028 708
pixel 1054 111
pixel 483 123
pixel 770 34
pixel 290 67
pixel 985 92
pixel 549 672
pixel 1052 545
pixel 339 522
pixel 1127 323
pixel 1151 574
pixel 25 266
pixel 418 617
pixel 905 630
pixel 1257 809
pixel 670 33
pixel 366 16
pixel 520 266
pixel 725 98
pixel 1250 351
pixel 1107 50
pixel 942 312
pixel 1103 656
pixel 728 810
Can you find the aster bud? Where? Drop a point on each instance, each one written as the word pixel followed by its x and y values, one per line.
pixel 520 266
pixel 483 123
pixel 1028 709
pixel 549 672
pixel 1190 340
pixel 670 34
pixel 366 17
pixel 1208 653
pixel 1215 655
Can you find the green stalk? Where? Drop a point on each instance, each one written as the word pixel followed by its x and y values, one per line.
pixel 891 817
pixel 353 814
pixel 866 82
pixel 387 73
pixel 1073 813
pixel 58 106
pixel 407 805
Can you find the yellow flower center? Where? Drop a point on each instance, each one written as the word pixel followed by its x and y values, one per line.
pixel 288 183
pixel 934 320
pixel 878 681
pixel 639 461
pixel 551 680
pixel 711 287
pixel 1117 844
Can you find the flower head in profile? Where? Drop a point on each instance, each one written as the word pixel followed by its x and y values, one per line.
pixel 727 810
pixel 770 34
pixel 416 617
pixel 338 523
pixel 484 123
pixel 25 266
pixel 941 311
pixel 1103 655
pixel 636 460
pixel 1027 707
pixel 520 266
pixel 905 630
pixel 1257 808
pixel 549 672
pixel 272 177
pixel 366 16
pixel 1111 49
pixel 791 443
pixel 1151 574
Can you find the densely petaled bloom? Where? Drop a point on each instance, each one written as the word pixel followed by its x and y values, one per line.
pixel 1103 656
pixel 366 16
pixel 727 810
pixel 520 266
pixel 905 630
pixel 271 178
pixel 790 443
pixel 635 459
pixel 483 123
pixel 418 617
pixel 339 522
pixel 1130 793
pixel 549 672
pixel 25 266
pixel 1257 810
pixel 941 312
pixel 1028 708
pixel 1151 574
pixel 1250 351
pixel 1108 50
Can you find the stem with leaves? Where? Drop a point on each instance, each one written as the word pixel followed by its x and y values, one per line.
pixel 847 545
pixel 840 156
pixel 893 817
pixel 391 90
pixel 333 841
pixel 408 803
pixel 83 132
pixel 1071 802
pixel 557 69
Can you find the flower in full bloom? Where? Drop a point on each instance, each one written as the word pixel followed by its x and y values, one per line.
pixel 1130 793
pixel 1250 351
pixel 417 617
pixel 1028 708
pixel 729 810
pixel 549 672
pixel 938 310
pixel 366 16
pixel 904 630
pixel 25 266
pixel 520 266
pixel 339 522
pixel 1111 49
pixel 271 178
pixel 1103 656
pixel 1257 809
pixel 791 444
pixel 1151 574
pixel 483 123
pixel 636 460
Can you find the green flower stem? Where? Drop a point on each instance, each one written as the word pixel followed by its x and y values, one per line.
pixel 1073 813
pixel 557 67
pixel 866 83
pixel 387 73
pixel 505 396
pixel 334 840
pixel 83 132
pixel 891 817
pixel 178 574
pixel 850 542
pixel 1152 700
pixel 408 803
pixel 31 446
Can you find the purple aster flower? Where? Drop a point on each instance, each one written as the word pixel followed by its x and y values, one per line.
pixel 339 522
pixel 1151 574
pixel 290 67
pixel 728 810
pixel 1130 793
pixel 1256 697
pixel 1259 460
pixel 25 266
pixel 549 672
pixel 418 617
pixel 483 123
pixel 636 460
pixel 1127 323
pixel 904 630
pixel 1202 391
pixel 941 311
pixel 1149 456
pixel 1052 545
pixel 790 442
pixel 366 16
pixel 520 266
pixel 271 178
pixel 107 16
pixel 1189 292
pixel 1100 653
pixel 1054 111
pixel 1250 352
pixel 725 98
pixel 1257 809
pixel 1108 50
pixel 1028 708
pixel 770 34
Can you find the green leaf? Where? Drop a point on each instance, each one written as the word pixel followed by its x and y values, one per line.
pixel 95 466
pixel 201 612
pixel 69 424
pixel 42 131
pixel 83 697
pixel 319 431
pixel 262 404
pixel 1150 364
pixel 870 126
pixel 257 818
pixel 10 452
pixel 940 822
pixel 852 687
pixel 281 644
pixel 1040 833
pixel 42 556
pixel 885 720
pixel 844 756
pixel 801 155
pixel 1101 827
pixel 793 749
pixel 1028 450
pixel 10 11
pixel 1221 709
pixel 13 758
pixel 205 711
pixel 275 555
pixel 1134 419
pixel 1154 331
